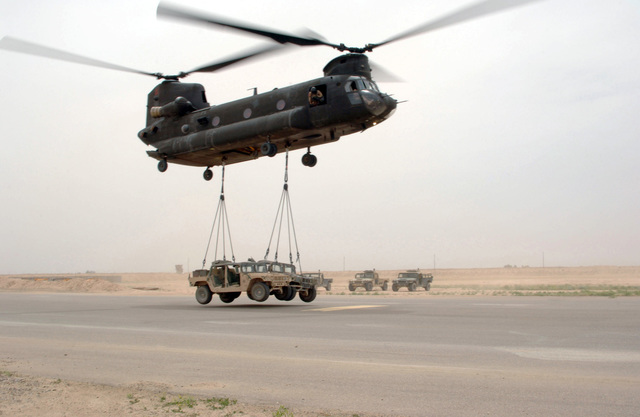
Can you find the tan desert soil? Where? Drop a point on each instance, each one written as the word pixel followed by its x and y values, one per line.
pixel 485 281
pixel 29 396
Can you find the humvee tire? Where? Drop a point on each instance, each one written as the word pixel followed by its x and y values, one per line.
pixel 309 295
pixel 259 291
pixel 228 297
pixel 385 286
pixel 368 286
pixel 203 294
pixel 288 293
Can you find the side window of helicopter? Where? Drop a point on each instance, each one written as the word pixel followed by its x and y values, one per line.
pixel 317 95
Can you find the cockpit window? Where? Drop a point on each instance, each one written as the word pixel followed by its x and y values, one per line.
pixel 359 83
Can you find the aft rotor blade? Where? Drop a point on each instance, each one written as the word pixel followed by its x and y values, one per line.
pixel 17 45
pixel 176 12
pixel 217 65
pixel 474 11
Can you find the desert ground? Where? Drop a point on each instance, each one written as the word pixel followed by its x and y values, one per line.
pixel 447 282
pixel 29 395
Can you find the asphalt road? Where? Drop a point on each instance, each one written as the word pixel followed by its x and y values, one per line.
pixel 367 355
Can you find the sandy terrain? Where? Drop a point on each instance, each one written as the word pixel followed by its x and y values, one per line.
pixel 33 396
pixel 486 281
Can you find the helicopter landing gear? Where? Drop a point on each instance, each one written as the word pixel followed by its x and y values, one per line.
pixel 269 149
pixel 163 165
pixel 208 174
pixel 309 160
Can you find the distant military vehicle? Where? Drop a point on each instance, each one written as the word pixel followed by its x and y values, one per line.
pixel 257 279
pixel 412 279
pixel 368 280
pixel 320 280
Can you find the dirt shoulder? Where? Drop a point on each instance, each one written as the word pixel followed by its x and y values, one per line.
pixel 28 396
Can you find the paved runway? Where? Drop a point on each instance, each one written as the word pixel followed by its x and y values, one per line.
pixel 367 355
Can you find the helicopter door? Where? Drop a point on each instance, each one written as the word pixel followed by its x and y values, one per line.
pixel 318 95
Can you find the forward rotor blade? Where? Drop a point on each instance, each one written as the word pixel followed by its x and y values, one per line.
pixel 474 11
pixel 176 12
pixel 381 74
pixel 217 65
pixel 16 45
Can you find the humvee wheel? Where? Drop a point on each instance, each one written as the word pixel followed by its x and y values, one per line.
pixel 203 294
pixel 292 295
pixel 228 297
pixel 368 286
pixel 428 287
pixel 259 291
pixel 352 287
pixel 285 295
pixel 385 286
pixel 394 287
pixel 309 295
pixel 328 287
pixel 412 286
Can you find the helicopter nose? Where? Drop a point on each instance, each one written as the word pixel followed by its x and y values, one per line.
pixel 373 102
pixel 391 104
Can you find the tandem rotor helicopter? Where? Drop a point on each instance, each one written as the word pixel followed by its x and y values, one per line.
pixel 185 129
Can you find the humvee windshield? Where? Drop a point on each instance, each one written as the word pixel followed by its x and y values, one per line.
pixel 408 275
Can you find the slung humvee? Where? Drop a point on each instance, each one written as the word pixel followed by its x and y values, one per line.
pixel 258 279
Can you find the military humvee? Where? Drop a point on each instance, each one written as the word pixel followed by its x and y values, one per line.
pixel 368 280
pixel 412 279
pixel 257 279
pixel 320 280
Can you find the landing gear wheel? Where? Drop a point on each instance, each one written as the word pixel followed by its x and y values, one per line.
pixel 309 160
pixel 268 149
pixel 309 295
pixel 203 294
pixel 208 174
pixel 163 165
pixel 259 292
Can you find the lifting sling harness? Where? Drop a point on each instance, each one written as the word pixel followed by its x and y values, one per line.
pixel 284 208
pixel 221 226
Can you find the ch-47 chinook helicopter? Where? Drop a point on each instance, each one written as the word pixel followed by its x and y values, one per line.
pixel 185 129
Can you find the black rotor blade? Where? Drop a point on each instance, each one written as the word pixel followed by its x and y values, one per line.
pixel 217 65
pixel 176 12
pixel 474 11
pixel 17 45
pixel 381 74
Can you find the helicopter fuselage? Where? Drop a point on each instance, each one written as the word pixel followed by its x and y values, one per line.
pixel 187 131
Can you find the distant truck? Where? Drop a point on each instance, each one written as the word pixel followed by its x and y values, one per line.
pixel 320 280
pixel 258 279
pixel 368 280
pixel 412 279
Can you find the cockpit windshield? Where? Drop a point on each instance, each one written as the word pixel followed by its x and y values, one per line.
pixel 360 83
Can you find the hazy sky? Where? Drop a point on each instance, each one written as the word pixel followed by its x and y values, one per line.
pixel 520 136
